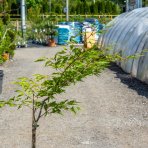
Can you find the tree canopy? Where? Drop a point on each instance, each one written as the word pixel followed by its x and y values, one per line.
pixel 57 6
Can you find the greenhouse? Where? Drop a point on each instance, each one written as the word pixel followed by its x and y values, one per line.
pixel 128 36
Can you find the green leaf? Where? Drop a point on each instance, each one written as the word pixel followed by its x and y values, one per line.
pixel 2 104
pixel 41 59
pixel 73 102
pixel 73 110
pixel 19 106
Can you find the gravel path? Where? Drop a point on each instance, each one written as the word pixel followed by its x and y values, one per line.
pixel 114 110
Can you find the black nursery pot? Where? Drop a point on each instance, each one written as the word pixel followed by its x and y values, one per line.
pixel 1 80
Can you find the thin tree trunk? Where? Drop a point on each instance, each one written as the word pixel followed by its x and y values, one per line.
pixel 34 126
pixel 33 136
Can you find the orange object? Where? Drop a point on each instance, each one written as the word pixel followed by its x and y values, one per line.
pixel 6 56
pixel 89 39
pixel 51 43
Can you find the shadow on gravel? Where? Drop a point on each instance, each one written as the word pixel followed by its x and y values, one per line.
pixel 1 80
pixel 132 83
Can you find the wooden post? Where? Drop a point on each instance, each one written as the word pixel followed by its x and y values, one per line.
pixel 17 25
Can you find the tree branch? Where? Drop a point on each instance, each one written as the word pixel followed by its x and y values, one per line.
pixel 62 74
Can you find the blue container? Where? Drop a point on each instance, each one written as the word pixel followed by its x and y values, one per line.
pixel 63 36
pixel 76 31
pixel 71 24
pixel 76 34
pixel 62 23
pixel 57 36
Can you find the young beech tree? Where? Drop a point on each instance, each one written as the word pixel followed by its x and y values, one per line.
pixel 39 93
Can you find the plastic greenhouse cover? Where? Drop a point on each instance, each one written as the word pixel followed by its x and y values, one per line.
pixel 127 35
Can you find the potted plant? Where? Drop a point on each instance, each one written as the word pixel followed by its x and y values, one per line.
pixel 51 33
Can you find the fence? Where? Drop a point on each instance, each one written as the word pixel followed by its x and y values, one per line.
pixel 16 19
pixel 63 17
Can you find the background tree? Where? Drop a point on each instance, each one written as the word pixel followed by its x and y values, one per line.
pixel 45 7
pixel 85 7
pixel 72 9
pixel 114 9
pixel 52 8
pixel 95 8
pixel 98 3
pixel 92 8
pixel 78 8
pixel 102 6
pixel 9 5
pixel 82 8
pixel 108 7
pixel 58 9
pixel 14 8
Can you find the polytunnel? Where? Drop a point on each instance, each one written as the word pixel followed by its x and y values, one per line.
pixel 127 35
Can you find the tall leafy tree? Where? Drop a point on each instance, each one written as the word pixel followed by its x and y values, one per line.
pixel 114 9
pixel 102 6
pixel 72 9
pixel 82 8
pixel 53 7
pixel 78 8
pixel 58 9
pixel 95 8
pixel 98 3
pixel 45 7
pixel 108 7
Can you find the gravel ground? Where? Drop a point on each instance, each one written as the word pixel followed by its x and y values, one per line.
pixel 114 110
